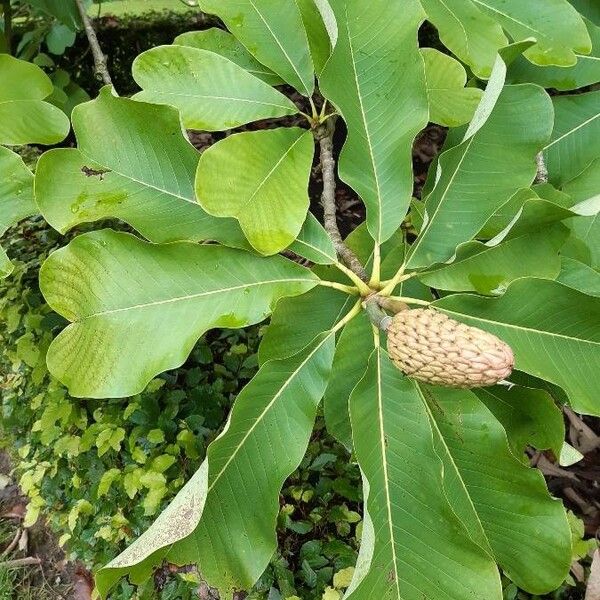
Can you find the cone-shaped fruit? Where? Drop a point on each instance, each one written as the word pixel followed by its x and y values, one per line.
pixel 431 347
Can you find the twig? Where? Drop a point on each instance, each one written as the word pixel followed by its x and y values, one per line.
pixel 324 135
pixel 13 543
pixel 542 169
pixel 20 562
pixel 100 67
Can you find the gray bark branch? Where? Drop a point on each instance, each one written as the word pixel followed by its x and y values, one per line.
pixel 100 66
pixel 324 135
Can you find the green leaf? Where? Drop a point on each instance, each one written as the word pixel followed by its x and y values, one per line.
pixel 24 116
pixel 450 103
pixel 407 512
pixel 494 495
pixel 588 8
pixel 137 309
pixel 579 276
pixel 469 33
pixel 279 404
pixel 65 12
pixel 560 34
pixel 547 324
pixel 585 72
pixel 132 163
pixel 298 321
pixel 212 92
pixel 106 481
pixel 321 29
pixel 16 198
pixel 377 50
pixel 273 33
pixel 222 42
pixel 475 178
pixel 352 352
pixel 261 179
pixel 314 243
pixel 575 141
pixel 490 268
pixel 529 417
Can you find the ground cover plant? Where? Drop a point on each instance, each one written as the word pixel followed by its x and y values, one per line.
pixel 430 335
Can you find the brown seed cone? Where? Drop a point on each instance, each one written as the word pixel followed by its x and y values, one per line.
pixel 431 347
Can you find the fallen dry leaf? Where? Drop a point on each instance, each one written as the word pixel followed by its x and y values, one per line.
pixel 593 586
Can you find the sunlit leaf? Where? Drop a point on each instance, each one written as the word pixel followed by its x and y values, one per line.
pixel 450 102
pixel 468 32
pixel 24 116
pixel 273 32
pixel 212 92
pixel 261 179
pixel 314 243
pixel 223 43
pixel 132 295
pixel 377 50
pixel 134 163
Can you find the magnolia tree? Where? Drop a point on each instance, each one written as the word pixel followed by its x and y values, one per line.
pixel 406 331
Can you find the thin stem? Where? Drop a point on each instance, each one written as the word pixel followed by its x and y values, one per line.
pixel 313 108
pixel 347 289
pixel 353 313
pixel 324 135
pixel 100 67
pixel 398 278
pixel 7 10
pixel 364 289
pixel 376 273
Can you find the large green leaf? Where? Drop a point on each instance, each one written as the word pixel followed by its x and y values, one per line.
pixel 16 197
pixel 273 32
pixel 376 79
pixel 314 243
pixel 321 29
pixel 134 163
pixel 580 276
pixel 352 352
pixel 299 320
pixel 557 27
pixel 223 43
pixel 475 178
pixel 450 102
pixel 24 116
pixel 575 141
pixel 471 34
pixel 490 268
pixel 212 92
pixel 588 8
pixel 407 513
pixel 65 12
pixel 585 72
pixel 260 178
pixel 495 495
pixel 550 329
pixel 137 309
pixel 235 494
pixel 530 417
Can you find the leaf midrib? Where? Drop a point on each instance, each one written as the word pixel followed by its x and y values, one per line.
pixel 195 296
pixel 520 327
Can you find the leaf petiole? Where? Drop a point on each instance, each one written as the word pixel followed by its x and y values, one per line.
pixel 353 313
pixel 363 288
pixel 398 278
pixel 347 289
